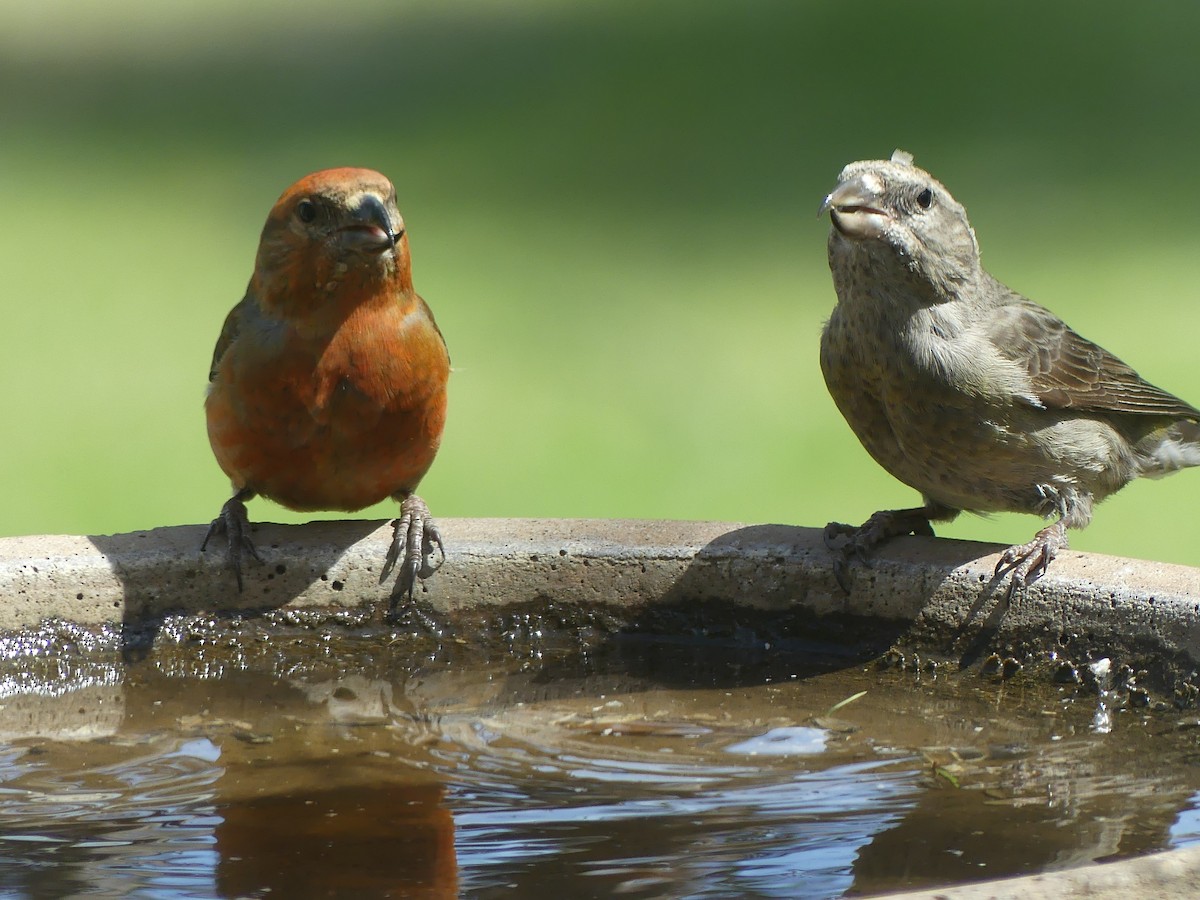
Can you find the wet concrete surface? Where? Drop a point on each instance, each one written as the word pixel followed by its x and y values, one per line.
pixel 931 594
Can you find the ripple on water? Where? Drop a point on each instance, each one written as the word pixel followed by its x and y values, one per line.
pixel 313 776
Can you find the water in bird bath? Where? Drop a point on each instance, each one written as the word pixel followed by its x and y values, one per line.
pixel 254 758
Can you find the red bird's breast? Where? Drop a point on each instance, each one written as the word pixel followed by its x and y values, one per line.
pixel 337 421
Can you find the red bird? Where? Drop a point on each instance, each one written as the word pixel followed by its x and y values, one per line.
pixel 328 384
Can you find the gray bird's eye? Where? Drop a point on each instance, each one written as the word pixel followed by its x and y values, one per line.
pixel 306 211
pixel 925 199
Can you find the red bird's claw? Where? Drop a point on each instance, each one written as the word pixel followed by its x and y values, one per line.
pixel 416 531
pixel 234 523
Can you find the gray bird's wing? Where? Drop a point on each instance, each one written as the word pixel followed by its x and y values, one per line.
pixel 1070 372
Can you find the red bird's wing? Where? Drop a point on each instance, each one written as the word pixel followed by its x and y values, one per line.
pixel 229 332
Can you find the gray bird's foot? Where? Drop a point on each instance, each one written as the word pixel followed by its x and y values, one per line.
pixel 1028 562
pixel 881 527
pixel 415 532
pixel 234 523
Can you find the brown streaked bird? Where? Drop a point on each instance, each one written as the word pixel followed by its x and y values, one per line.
pixel 967 391
pixel 328 383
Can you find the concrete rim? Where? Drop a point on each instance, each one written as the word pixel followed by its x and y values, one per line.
pixel 943 591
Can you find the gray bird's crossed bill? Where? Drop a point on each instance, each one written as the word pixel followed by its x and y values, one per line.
pixel 964 389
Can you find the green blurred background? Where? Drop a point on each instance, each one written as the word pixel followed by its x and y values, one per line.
pixel 611 207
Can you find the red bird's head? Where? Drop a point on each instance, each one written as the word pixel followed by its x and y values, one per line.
pixel 333 239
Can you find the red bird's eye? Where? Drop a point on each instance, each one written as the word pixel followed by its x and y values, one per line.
pixel 306 211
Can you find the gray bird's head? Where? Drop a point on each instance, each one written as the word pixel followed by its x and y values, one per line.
pixel 890 208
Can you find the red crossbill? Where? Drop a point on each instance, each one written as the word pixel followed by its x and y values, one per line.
pixel 964 389
pixel 328 383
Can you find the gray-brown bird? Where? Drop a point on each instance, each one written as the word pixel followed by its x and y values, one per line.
pixel 964 389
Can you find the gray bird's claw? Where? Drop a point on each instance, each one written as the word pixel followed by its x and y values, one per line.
pixel 1026 563
pixel 835 530
pixel 234 523
pixel 415 532
pixel 881 527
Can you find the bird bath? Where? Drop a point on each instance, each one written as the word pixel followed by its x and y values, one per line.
pixel 582 708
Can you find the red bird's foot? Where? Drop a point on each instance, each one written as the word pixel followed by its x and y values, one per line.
pixel 417 533
pixel 234 523
pixel 881 527
pixel 1028 562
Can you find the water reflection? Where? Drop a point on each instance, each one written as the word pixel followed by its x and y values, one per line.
pixel 366 841
pixel 361 771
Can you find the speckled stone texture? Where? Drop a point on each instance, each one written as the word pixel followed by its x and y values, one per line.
pixel 942 590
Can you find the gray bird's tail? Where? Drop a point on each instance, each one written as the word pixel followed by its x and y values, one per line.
pixel 1174 448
